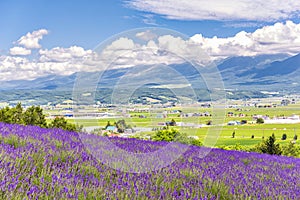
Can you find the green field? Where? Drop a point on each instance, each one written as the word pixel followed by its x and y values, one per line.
pixel 243 133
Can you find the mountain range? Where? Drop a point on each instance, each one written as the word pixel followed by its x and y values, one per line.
pixel 263 72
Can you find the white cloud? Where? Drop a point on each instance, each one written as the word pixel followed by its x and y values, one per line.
pixel 147 48
pixel 149 20
pixel 146 35
pixel 257 10
pixel 19 51
pixel 59 54
pixel 31 40
pixel 278 38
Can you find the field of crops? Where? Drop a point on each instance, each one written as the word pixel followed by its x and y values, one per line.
pixel 41 163
pixel 243 133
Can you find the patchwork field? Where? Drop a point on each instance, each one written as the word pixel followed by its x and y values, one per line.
pixel 243 133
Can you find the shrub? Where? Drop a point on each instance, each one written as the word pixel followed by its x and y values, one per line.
pixel 62 123
pixel 284 136
pixel 260 121
pixel 166 135
pixel 290 150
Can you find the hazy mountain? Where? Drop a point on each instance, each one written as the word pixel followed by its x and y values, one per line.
pixel 245 72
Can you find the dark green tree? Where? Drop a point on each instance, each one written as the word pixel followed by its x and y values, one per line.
pixel 34 116
pixel 260 121
pixel 17 114
pixel 270 147
pixel 62 123
pixel 284 136
pixel 173 122
pixel 6 115
pixel 121 125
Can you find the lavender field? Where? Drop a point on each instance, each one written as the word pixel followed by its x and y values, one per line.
pixel 39 163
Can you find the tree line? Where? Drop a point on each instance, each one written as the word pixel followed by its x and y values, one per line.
pixel 33 116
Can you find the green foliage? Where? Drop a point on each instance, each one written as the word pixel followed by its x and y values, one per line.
pixel 171 123
pixel 269 146
pixel 31 116
pixel 61 122
pixel 185 139
pixel 295 137
pixel 260 121
pixel 166 135
pixel 284 136
pixel 34 116
pixel 209 122
pixel 291 150
pixel 121 125
pixel 14 141
pixel 6 115
pixel 17 114
pixel 173 135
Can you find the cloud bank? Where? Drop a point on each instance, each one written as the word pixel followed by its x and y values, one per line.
pixel 21 64
pixel 253 10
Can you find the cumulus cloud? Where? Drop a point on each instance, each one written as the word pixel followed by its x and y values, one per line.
pixel 257 10
pixel 59 54
pixel 277 38
pixel 148 48
pixel 57 61
pixel 164 49
pixel 19 51
pixel 31 40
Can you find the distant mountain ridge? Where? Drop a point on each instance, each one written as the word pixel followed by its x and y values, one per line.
pixel 271 71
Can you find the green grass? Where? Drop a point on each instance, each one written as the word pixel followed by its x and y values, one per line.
pixel 243 133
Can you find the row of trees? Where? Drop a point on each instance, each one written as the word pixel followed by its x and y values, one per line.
pixel 33 116
pixel 269 146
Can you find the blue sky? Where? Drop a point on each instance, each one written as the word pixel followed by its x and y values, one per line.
pixel 86 23
pixel 38 37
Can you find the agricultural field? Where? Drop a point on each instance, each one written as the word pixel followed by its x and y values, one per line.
pixel 39 163
pixel 243 133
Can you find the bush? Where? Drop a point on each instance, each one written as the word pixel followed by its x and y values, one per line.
pixel 284 136
pixel 62 123
pixel 166 135
pixel 173 135
pixel 185 139
pixel 243 121
pixel 260 121
pixel 291 150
